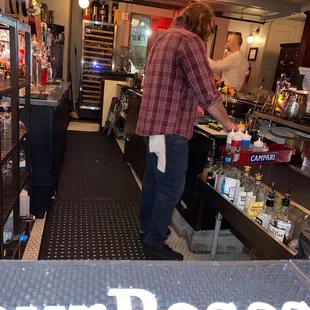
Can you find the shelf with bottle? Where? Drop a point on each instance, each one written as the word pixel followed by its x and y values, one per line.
pixel 256 238
pixel 10 197
pixel 256 152
pixel 8 144
pixel 276 214
pixel 15 248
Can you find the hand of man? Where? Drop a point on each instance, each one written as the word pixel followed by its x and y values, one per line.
pixel 232 126
pixel 200 112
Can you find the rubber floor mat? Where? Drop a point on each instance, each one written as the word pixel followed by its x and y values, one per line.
pixel 95 214
pixel 91 143
pixel 92 229
pixel 96 176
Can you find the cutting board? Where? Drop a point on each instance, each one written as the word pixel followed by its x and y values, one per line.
pixel 213 132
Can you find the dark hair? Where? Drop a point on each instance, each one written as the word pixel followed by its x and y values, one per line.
pixel 198 16
pixel 238 37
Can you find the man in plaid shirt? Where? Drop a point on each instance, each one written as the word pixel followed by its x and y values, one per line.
pixel 178 85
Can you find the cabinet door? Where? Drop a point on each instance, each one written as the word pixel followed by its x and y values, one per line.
pixel 132 114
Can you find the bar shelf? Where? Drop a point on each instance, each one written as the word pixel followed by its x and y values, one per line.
pixel 13 137
pixel 8 146
pixel 256 238
pixel 278 120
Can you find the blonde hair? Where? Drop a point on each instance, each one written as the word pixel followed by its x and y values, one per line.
pixel 198 16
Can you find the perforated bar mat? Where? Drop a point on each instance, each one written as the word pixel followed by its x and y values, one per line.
pixel 92 143
pixel 92 229
pixel 164 284
pixel 96 176
pixel 96 211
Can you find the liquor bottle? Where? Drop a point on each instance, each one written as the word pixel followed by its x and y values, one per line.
pixel 255 203
pixel 219 170
pixel 280 225
pixel 233 177
pixel 264 217
pixel 95 10
pixel 222 177
pixel 244 190
pixel 208 174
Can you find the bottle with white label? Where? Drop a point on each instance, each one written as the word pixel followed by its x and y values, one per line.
pixel 233 178
pixel 219 171
pixel 236 141
pixel 222 176
pixel 258 146
pixel 246 142
pixel 208 174
pixel 280 225
pixel 255 203
pixel 264 217
pixel 244 190
pixel 229 140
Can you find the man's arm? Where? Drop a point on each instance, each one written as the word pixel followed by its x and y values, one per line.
pixel 219 65
pixel 200 78
pixel 219 113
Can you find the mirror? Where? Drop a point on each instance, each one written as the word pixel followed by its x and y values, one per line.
pixel 139 36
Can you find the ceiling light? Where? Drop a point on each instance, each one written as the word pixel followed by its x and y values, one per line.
pixel 84 4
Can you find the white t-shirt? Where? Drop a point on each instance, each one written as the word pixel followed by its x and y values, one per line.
pixel 233 67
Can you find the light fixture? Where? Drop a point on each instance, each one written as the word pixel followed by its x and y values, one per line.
pixel 250 38
pixel 84 4
pixel 148 32
pixel 135 22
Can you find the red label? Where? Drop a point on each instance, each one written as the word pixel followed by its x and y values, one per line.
pixel 236 143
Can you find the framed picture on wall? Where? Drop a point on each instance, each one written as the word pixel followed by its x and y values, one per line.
pixel 253 53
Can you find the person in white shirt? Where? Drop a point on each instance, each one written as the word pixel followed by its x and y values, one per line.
pixel 234 66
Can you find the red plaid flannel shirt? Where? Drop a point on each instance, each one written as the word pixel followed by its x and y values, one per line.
pixel 177 79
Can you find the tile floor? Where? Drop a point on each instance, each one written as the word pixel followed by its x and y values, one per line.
pixel 174 241
pixel 34 243
pixel 80 126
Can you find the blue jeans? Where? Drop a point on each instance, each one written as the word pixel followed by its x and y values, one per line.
pixel 162 191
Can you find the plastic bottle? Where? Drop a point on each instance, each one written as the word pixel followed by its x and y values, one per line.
pixel 258 146
pixel 230 136
pixel 236 141
pixel 246 142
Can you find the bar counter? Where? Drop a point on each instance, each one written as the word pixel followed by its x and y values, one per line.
pixel 53 98
pixel 198 217
pixel 49 122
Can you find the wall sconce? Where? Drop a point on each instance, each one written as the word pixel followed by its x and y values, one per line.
pixel 250 38
pixel 84 4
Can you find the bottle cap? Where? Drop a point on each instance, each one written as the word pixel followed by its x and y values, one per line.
pixel 227 159
pixel 258 176
pixel 237 136
pixel 259 143
pixel 231 134
pixel 247 168
pixel 246 136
